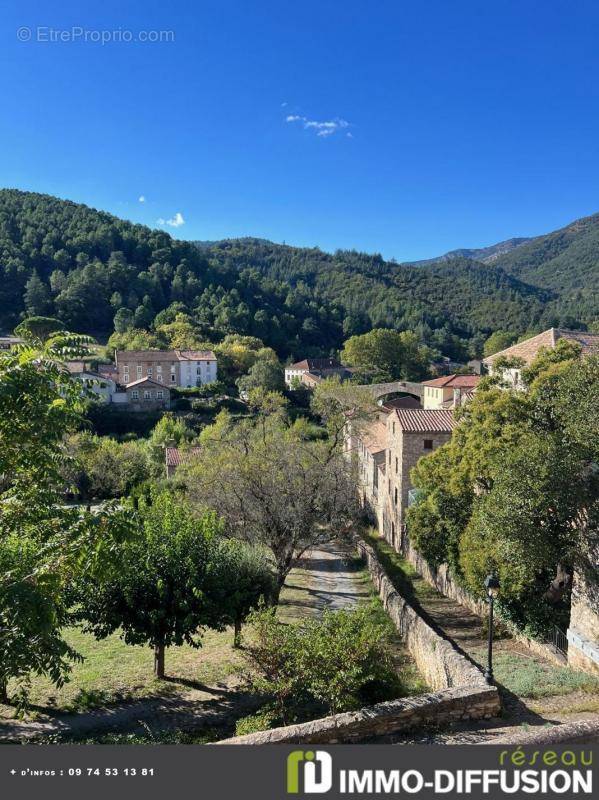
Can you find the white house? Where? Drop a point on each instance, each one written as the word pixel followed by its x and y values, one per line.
pixel 318 367
pixel 196 367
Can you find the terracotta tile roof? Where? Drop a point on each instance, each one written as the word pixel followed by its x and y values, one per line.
pixel 451 381
pixel 176 456
pixel 312 364
pixel 529 348
pixel 165 355
pixel 421 420
pixel 146 355
pixel 311 378
pixel 147 380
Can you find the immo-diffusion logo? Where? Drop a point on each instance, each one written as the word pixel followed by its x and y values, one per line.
pixel 309 764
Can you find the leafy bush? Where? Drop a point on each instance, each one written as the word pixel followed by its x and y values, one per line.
pixel 338 662
pixel 267 717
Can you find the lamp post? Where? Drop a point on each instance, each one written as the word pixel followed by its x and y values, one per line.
pixel 492 590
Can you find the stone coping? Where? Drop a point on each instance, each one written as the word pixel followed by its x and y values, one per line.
pixel 568 733
pixel 441 707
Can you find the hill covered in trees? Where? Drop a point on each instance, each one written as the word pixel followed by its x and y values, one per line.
pixel 96 273
pixel 89 268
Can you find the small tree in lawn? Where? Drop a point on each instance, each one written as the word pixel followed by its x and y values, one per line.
pixel 248 582
pixel 168 588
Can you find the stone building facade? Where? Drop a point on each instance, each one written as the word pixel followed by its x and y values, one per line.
pixel 384 455
pixel 583 633
pixel 148 395
pixel 186 368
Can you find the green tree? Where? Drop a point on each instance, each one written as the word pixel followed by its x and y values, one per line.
pixel 44 546
pixel 387 355
pixel 249 582
pixel 171 431
pixel 123 320
pixel 168 587
pixel 497 341
pixel 338 661
pixel 38 328
pixel 264 374
pixel 37 296
pixel 238 472
pixel 515 491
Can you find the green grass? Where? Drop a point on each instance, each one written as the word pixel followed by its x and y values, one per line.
pixel 113 671
pixel 534 679
pixel 404 577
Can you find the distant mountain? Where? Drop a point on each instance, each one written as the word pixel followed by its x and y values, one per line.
pixel 486 255
pixel 95 271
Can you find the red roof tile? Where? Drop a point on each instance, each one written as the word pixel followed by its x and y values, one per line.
pixel 529 348
pixel 424 420
pixel 449 381
pixel 176 456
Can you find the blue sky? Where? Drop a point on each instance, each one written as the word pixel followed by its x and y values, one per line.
pixel 402 128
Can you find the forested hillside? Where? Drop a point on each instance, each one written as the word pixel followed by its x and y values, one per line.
pixel 87 267
pixel 96 272
pixel 566 262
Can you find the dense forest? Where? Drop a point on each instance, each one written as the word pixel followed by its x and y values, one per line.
pixel 87 268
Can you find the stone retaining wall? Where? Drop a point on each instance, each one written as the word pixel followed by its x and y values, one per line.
pixel 443 581
pixel 435 708
pixel 439 661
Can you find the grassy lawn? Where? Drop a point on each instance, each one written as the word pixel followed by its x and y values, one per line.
pixel 535 679
pixel 112 671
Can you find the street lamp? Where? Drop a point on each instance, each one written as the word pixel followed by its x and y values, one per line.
pixel 492 590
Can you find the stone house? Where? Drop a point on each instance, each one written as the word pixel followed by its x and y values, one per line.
pixel 445 392
pixel 318 368
pixel 528 350
pixel 384 454
pixel 178 368
pixel 147 395
pixel 372 451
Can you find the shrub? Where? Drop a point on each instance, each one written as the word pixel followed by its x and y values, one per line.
pixel 261 720
pixel 336 663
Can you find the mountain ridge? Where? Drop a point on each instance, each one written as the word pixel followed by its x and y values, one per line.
pixel 95 271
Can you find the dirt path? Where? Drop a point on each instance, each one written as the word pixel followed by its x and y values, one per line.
pixel 325 578
pixel 191 710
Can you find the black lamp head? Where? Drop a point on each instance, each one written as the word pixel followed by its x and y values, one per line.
pixel 492 585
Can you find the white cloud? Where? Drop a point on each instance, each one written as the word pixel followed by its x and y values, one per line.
pixel 321 128
pixel 142 198
pixel 173 222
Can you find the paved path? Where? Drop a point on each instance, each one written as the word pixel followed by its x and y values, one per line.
pixel 333 582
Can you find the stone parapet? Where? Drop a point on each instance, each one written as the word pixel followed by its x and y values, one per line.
pixel 448 705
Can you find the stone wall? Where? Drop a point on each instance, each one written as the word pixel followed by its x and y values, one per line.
pixel 583 634
pixel 462 692
pixel 434 708
pixel 442 580
pixel 438 660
